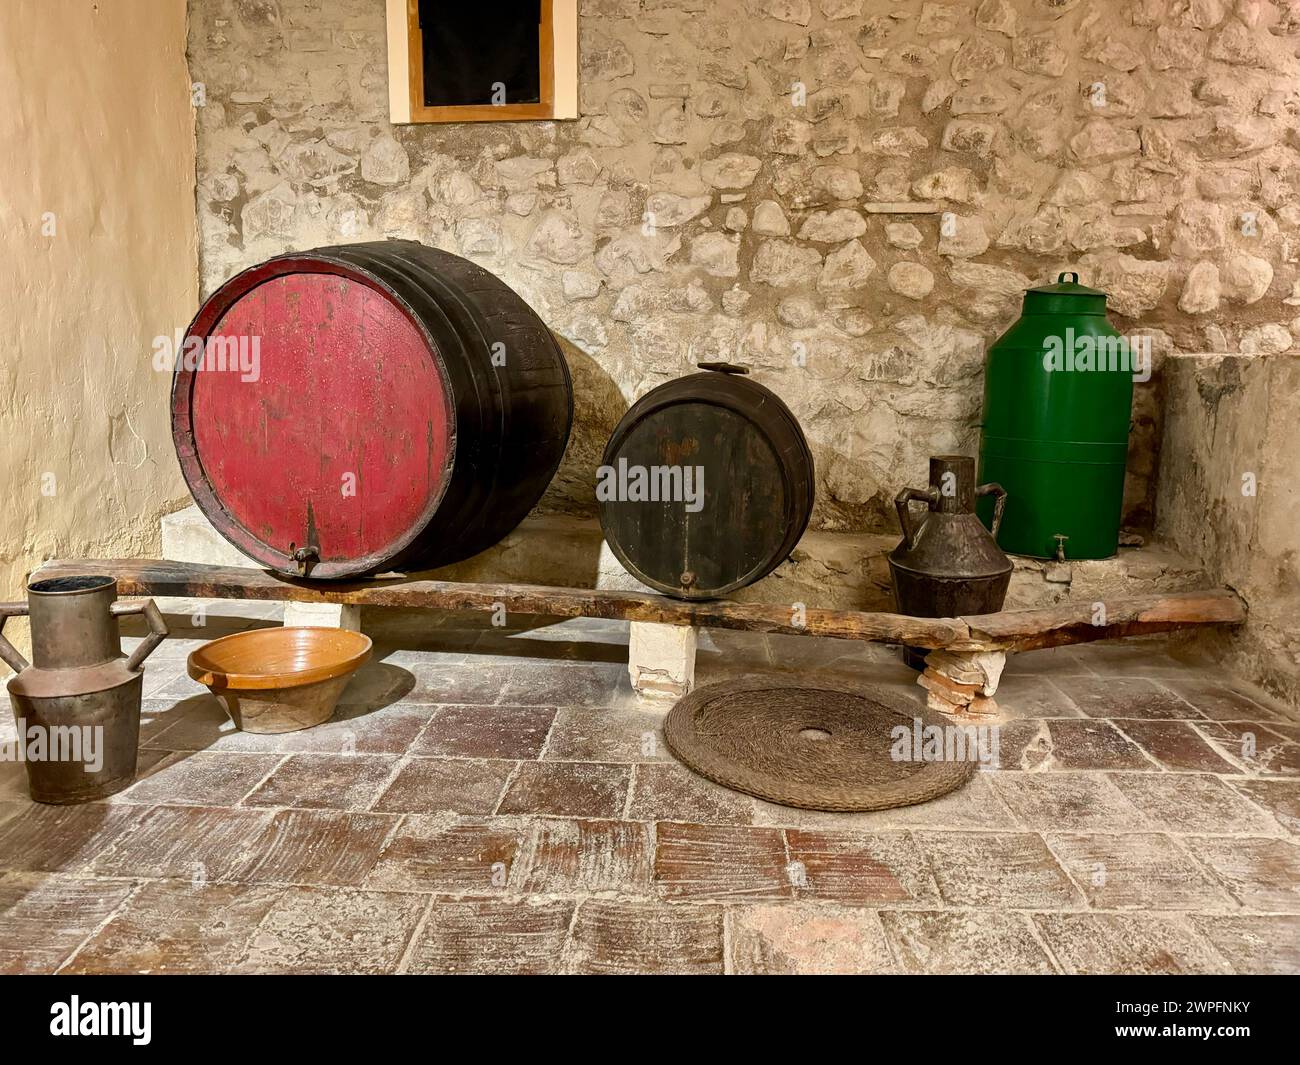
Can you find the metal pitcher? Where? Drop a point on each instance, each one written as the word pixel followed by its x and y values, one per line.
pixel 77 703
pixel 948 564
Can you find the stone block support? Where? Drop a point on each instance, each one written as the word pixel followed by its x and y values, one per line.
pixel 661 659
pixel 323 615
pixel 962 684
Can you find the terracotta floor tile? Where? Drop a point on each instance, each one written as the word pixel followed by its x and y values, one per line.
pixel 53 839
pixel 1255 746
pixel 1288 730
pixel 1279 758
pixel 174 926
pixel 1255 946
pixel 586 734
pixel 1191 802
pixel 877 870
pixel 325 781
pixel 997 869
pixel 1240 739
pixel 323 847
pixel 1129 697
pixel 147 762
pixel 200 724
pixel 556 644
pixel 511 732
pixel 493 937
pixel 159 714
pixel 191 843
pixel 161 675
pixel 1067 800
pixel 1281 798
pixel 817 653
pixel 181 686
pixel 443 853
pixel 1176 745
pixel 1262 874
pixel 325 930
pixel 503 829
pixel 1093 745
pixel 671 792
pixel 1091 944
pixel 1031 696
pixel 721 862
pixel 201 778
pixel 482 685
pixel 1050 662
pixel 612 936
pixel 1221 703
pixel 1025 746
pixel 1137 871
pixel 433 785
pixel 376 685
pixel 1154 656
pixel 206 726
pixel 44 918
pixel 568 856
pixel 356 730
pixel 583 684
pixel 964 942
pixel 798 939
pixel 13 782
pixel 567 789
pixel 972 806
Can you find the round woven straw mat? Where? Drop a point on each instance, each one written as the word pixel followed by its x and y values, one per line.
pixel 803 744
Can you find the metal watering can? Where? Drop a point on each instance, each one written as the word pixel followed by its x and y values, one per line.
pixel 77 703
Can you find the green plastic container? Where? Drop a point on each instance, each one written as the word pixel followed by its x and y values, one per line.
pixel 1056 425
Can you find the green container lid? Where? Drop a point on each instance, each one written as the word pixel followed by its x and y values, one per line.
pixel 1065 297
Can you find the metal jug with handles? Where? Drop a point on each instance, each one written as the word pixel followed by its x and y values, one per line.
pixel 948 563
pixel 77 703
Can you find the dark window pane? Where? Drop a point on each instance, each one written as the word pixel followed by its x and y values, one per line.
pixel 472 47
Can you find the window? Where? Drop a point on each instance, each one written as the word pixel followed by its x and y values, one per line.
pixel 494 61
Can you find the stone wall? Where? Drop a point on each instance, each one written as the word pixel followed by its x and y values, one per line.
pixel 1229 497
pixel 849 195
pixel 97 257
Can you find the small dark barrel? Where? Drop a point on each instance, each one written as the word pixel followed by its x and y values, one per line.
pixel 368 407
pixel 757 484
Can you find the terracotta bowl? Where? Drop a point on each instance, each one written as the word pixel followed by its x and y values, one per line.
pixel 280 679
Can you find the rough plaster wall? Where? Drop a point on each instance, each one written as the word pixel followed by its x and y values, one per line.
pixel 1229 496
pixel 98 142
pixel 1126 138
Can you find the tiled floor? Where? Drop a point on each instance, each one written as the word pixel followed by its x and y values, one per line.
pixel 499 801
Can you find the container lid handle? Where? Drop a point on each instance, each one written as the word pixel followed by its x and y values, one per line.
pixel 1070 276
pixel 724 367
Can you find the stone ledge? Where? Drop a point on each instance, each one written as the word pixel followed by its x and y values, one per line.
pixel 835 570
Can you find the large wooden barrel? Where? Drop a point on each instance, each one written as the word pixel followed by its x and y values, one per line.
pixel 757 484
pixel 405 409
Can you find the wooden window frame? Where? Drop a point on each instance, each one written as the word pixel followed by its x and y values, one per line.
pixel 558 71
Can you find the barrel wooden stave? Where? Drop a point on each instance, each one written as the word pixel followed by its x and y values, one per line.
pixel 506 424
pixel 758 486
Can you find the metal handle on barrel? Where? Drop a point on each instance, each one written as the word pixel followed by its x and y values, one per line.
pixel 8 651
pixel 999 507
pixel 158 629
pixel 902 503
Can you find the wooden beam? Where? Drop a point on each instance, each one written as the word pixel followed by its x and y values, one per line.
pixel 150 577
pixel 1026 630
pixel 1008 630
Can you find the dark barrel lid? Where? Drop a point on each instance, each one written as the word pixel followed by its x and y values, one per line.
pixel 1067 296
